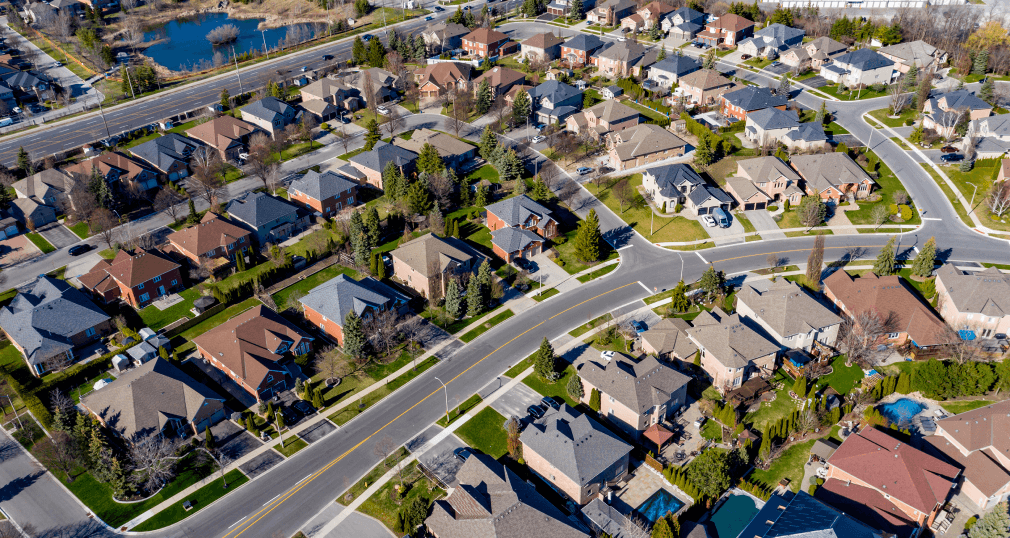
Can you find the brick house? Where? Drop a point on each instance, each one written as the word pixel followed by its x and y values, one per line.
pixel 634 394
pixel 738 103
pixel 578 50
pixel 731 351
pixel 603 118
pixel 326 306
pixel 832 176
pixel 727 30
pixel 327 193
pixel 704 86
pixel 137 279
pixel 975 302
pixel 762 180
pixel 545 46
pixel 215 237
pixel 227 135
pixel 510 244
pixel 256 349
pixel 427 263
pixel 271 219
pixel 435 79
pixel 486 42
pixel 972 442
pixel 611 12
pixel 500 79
pixel 813 54
pixel 372 163
pixel 576 454
pixel 624 58
pixel 115 168
pixel 522 212
pixel 642 144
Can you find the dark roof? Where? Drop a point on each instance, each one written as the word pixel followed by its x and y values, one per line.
pixel 810 132
pixel 517 210
pixel 513 239
pixel 554 90
pixel 802 516
pixel 754 98
pixel 584 42
pixel 780 32
pixel 638 385
pixel 670 177
pixel 963 99
pixel 864 59
pixel 574 444
pixel 267 108
pixel 678 65
pixel 322 186
pixel 688 14
pixel 773 118
pixel 164 150
pixel 259 208
pixel 342 294
pixel 701 194
pixel 382 154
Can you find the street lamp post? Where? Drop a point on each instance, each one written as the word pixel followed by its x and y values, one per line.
pixel 265 49
pixel 446 401
pixel 237 73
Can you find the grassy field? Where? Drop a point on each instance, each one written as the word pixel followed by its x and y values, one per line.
pixel 842 378
pixel 486 326
pixel 485 433
pixel 200 499
pixel 887 184
pixel 788 465
pixel 385 505
pixel 45 246
pixel 308 283
pixel 975 184
pixel 638 214
pixel 962 407
pixel 780 407
pixel 557 389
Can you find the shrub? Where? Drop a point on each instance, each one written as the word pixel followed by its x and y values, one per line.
pixel 893 209
pixel 970 523
pixel 325 126
pixel 909 122
pixel 966 166
pixel 785 205
pixel 906 212
pixel 772 208
pixel 812 490
pixel 664 207
pixel 678 208
pixel 843 204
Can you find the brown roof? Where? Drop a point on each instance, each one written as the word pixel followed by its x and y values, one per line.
pixel 705 79
pixel 670 336
pixel 872 507
pixel 499 76
pixel 430 252
pixel 212 232
pixel 731 22
pixel 109 161
pixel 981 467
pixel 443 74
pixel 485 36
pixel 545 40
pixel 886 295
pixel 896 468
pixel 645 139
pixel 127 269
pixel 980 428
pixel 97 279
pixel 246 344
pixel 222 131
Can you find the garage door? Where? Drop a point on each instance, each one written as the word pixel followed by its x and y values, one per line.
pixel 760 205
pixel 703 211
pixel 748 207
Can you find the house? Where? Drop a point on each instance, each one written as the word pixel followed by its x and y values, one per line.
pixel 427 263
pixel 137 278
pixel 384 84
pixel 455 153
pixel 545 46
pixel 578 51
pixel 8 226
pixel 765 126
pixel 227 135
pixel 859 67
pixel 684 23
pixel 635 394
pixel 668 340
pixel 992 135
pixel 737 104
pixel 958 100
pixel 887 483
pixel 270 114
pixel 771 41
pixel 705 199
pixel 671 184
pixel 49 320
pixel 922 55
pixel 322 111
pixel 972 442
pixel 40 13
pixel 510 244
pixel 334 92
pixel 731 351
pixel 704 86
pixel 492 498
pixel 558 73
pixel 26 84
pixel 486 43
pixel 624 58
pixel 668 71
pixel 215 237
pixel 51 187
pixel 31 213
pixel 372 163
pixel 436 79
pixel 802 516
pixel 326 193
pixel 156 398
pixel 1004 170
pixel 554 101
pixel 762 180
pixel 256 349
pixel 977 303
pixel 789 315
pixel 726 30
pixel 575 453
pixel 522 212
pixel 510 96
pixel 559 8
pixel 652 14
pixel 813 54
pixel 610 13
pixel 168 155
pixel 603 118
pixel 271 219
pixel 130 173
pixel 501 80
pixel 832 176
pixel 808 136
pixel 611 92
pixel 73 7
pixel 890 299
pixel 326 306
pixel 642 144
pixel 443 36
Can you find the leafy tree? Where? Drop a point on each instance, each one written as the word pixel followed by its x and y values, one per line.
pixel 710 472
pixel 587 239
pixel 712 282
pixel 594 400
pixel 483 96
pixel 362 7
pixel 889 35
pixel 781 16
pixel 917 134
pixel 922 265
pixel 575 389
pixel 429 161
pixel 453 299
pixel 679 301
pixel 475 298
pixel 884 266
pixel 413 513
pixel 544 361
pixel 359 54
pixel 354 336
pixel 373 135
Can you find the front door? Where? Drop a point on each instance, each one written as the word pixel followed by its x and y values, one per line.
pixel 161 290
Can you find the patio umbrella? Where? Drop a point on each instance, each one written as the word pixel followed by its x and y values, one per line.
pixel 659 435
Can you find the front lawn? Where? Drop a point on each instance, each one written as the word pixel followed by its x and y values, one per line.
pixel 571 264
pixel 486 326
pixel 460 410
pixel 485 432
pixel 597 273
pixel 638 214
pixel 758 62
pixel 975 184
pixel 80 229
pixel 199 500
pixel 852 95
pixel 385 504
pixel 881 114
pixel 887 184
pixel 372 476
pixel 557 389
pixel 304 286
pixel 290 445
pixel 347 413
pixel 788 465
pixel 45 246
pixel 487 172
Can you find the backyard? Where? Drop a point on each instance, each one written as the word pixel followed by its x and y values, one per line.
pixel 305 285
pixel 788 465
pixel 183 342
pixel 638 214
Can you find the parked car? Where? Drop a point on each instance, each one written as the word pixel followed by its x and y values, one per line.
pixel 438 8
pixel 550 401
pixel 57 64
pixel 291 417
pixel 776 64
pixel 948 149
pixel 382 110
pixel 327 57
pixel 304 407
pixel 952 157
pixel 583 170
pixel 638 326
pixel 535 411
pixel 429 17
pixel 538 139
pixel 366 37
pixel 462 453
pixel 519 421
pixel 745 56
pixel 721 216
pixel 606 355
pixel 77 250
pixel 708 220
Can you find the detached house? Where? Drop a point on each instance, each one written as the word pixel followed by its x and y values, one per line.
pixel 642 144
pixel 227 135
pixel 455 153
pixel 372 163
pixel 545 46
pixel 794 319
pixel 522 212
pixel 51 187
pixel 270 114
pixel 832 176
pixel 765 126
pixel 427 263
pixel 973 442
pixel 486 43
pixel 610 13
pixel 922 55
pixel 256 349
pixel 624 58
pixel 668 340
pixel 115 167
pixel 215 237
pixel 326 306
pixel 813 54
pixel 168 155
pixel 976 303
pixel 554 101
pixel 444 36
pixel 650 15
pixel 678 184
pixel 137 279
pixel 771 40
pixel 271 219
pixel 704 86
pixel 669 70
pixel 334 92
pixel 763 180
pixel 727 30
pixel 993 136
pixel 501 80
pixel 684 23
pixel 579 50
pixel 944 112
pixel 634 394
pixel 737 104
pixel 731 351
pixel 435 79
pixel 326 193
pixel 603 118
pixel 859 67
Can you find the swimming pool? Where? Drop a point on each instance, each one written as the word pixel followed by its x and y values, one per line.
pixel 733 516
pixel 901 411
pixel 658 504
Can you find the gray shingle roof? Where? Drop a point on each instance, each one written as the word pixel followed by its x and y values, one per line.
pixel 554 90
pixel 755 98
pixel 267 108
pixel 809 132
pixel 803 516
pixel 729 340
pixel 688 14
pixel 517 210
pixel 607 519
pixel 165 150
pixel 259 208
pixel 670 178
pixel 962 99
pixel 864 59
pixel 767 169
pixel 45 314
pixel 678 65
pixel 703 193
pixel 639 386
pixel 342 294
pixel 773 118
pixel 513 239
pixel 787 309
pixel 322 186
pixel 584 42
pixel 780 32
pixel 576 445
pixel 382 154
pixel 828 170
pixel 985 292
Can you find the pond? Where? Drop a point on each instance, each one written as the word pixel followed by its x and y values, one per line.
pixel 184 42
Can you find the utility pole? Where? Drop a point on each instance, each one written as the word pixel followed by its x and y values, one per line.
pixel 130 82
pixel 446 400
pixel 102 112
pixel 237 73
pixel 265 49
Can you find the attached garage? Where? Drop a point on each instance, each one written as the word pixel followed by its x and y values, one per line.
pixel 703 211
pixel 218 416
pixel 750 206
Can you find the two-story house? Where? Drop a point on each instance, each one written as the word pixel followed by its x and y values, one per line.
pixel 545 46
pixel 860 67
pixel 332 91
pixel 327 306
pixel 271 219
pixel 611 12
pixel 436 79
pixel 771 41
pixel 973 442
pixel 731 351
pixel 633 394
pixel 727 30
pixel 603 118
pixel 624 58
pixel 944 112
pixel 764 127
pixel 116 168
pixel 500 79
pixel 554 101
pixel 227 135
pixel 813 54
pixel 647 16
pixel 444 36
pixel 705 86
pixel 671 184
pixel 373 163
pixel 991 136
pixel 791 317
pixel 764 180
pixel 487 43
pixel 51 187
pixel 684 23
pixel 455 153
pixel 270 114
pixel 168 155
pixel 519 227
pixel 669 70
pixel 326 193
pixel 832 176
pixel 922 55
pixel 738 103
pixel 214 238
pixel 137 279
pixel 976 303
pixel 427 263
pixel 579 50
pixel 641 144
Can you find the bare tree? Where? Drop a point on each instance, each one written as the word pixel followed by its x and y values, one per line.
pixel 345 139
pixel 998 199
pixel 880 214
pixel 394 121
pixel 59 451
pixel 382 329
pixel 332 365
pixel 369 87
pixel 412 330
pixel 441 188
pixel 154 459
pixel 624 193
pixel 898 98
pixel 948 121
pixel 59 402
pixel 959 348
pixel 774 261
pixel 501 112
pixel 262 150
pixel 461 107
pixel 859 336
pixel 65 24
pixel 168 200
pixel 206 164
pixel 104 223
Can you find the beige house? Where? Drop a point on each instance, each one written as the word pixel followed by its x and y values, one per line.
pixel 976 442
pixel 427 263
pixel 705 86
pixel 633 395
pixel 51 187
pixel 922 55
pixel 668 340
pixel 602 118
pixel 813 54
pixel 764 180
pixel 731 351
pixel 832 176
pixel 435 79
pixel 794 319
pixel 978 302
pixel 334 92
pixel 576 454
pixel 545 46
pixel 642 144
pixel 454 152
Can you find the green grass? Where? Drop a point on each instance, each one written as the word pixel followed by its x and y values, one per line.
pixel 486 326
pixel 842 378
pixel 384 505
pixel 45 246
pixel 583 329
pixel 290 445
pixel 980 176
pixel 157 319
pixel 866 93
pixel 766 415
pixel 881 115
pixel 217 319
pixel 835 129
pixel 791 219
pixel 543 296
pixel 654 116
pixel 788 465
pixel 487 172
pixel 557 389
pixel 485 433
pixel 80 229
pixel 887 184
pixel 519 367
pixel 951 197
pixel 308 283
pixel 963 407
pixel 638 215
pixel 597 273
pixel 758 62
pixel 200 499
pixel 347 156
pixel 347 413
pixel 299 149
pixel 712 430
pixel 570 263
pixel 59 273
pixel 460 410
pixel 88 386
pixel 372 476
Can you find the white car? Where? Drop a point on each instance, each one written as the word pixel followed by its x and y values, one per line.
pixel 17 110
pixel 243 156
pixel 383 110
pixel 57 64
pixel 606 355
pixel 538 139
pixel 709 220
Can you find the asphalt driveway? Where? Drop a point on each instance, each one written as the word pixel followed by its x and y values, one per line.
pixel 764 223
pixel 815 82
pixel 516 401
pixel 234 441
pixel 440 460
pixel 780 69
pixel 59 235
pixel 317 431
pixel 261 464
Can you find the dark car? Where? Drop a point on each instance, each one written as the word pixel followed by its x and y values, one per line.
pixel 638 326
pixel 550 401
pixel 366 37
pixel 952 157
pixel 535 411
pixel 327 56
pixel 948 149
pixel 291 416
pixel 519 421
pixel 304 407
pixel 462 453
pixel 1000 336
pixel 77 250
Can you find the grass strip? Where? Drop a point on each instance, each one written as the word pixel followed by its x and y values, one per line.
pixel 461 410
pixel 540 297
pixel 199 500
pixel 290 445
pixel 597 273
pixel 486 326
pixel 346 414
pixel 45 246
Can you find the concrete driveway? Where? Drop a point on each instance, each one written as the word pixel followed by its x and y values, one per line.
pixel 59 235
pixel 718 232
pixel 516 401
pixel 440 460
pixel 547 271
pixel 764 223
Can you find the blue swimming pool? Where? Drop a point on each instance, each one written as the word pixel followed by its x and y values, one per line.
pixel 901 411
pixel 734 514
pixel 658 504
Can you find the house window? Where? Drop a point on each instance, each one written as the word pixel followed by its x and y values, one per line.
pixel 140 286
pixel 241 240
pixel 611 399
pixel 231 246
pixel 157 279
pixel 174 282
pixel 270 378
pixel 892 336
pixel 322 326
pixel 211 253
pixel 350 200
pixel 145 297
pixel 90 331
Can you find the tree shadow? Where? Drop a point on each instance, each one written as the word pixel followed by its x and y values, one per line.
pixel 15 487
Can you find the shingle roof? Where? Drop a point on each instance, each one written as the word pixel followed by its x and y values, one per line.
pixel 745 189
pixel 612 111
pixel 824 47
pixel 163 151
pixel 828 170
pixel 222 132
pixel 45 314
pixel 678 65
pixel 500 76
pixel 958 99
pixel 704 79
pixel 443 74
pixel 608 519
pixel 638 385
pixel 766 169
pixel 703 193
pixel 803 516
pixel 322 186
pixel 576 445
pixel 126 167
pixel 646 139
pixel 40 184
pixel 545 40
pixel 780 32
pixel 141 401
pixel 448 146
pixel 872 507
pixel 787 309
pixel 809 132
pixel 865 59
pixel 555 91
pixel 213 231
pixel 340 295
pixel 446 30
pixel 731 22
pixel 688 14
pixel 259 208
pixel 729 340
pixel 428 251
pixel 754 98
pixel 267 108
pixel 517 210
pixel 382 154
pixel 627 52
pixel 129 269
pixel 513 239
pixel 773 118
pixel 985 292
pixel 981 467
pixel 918 52
pixel 485 36
pixel 671 177
pixel 585 42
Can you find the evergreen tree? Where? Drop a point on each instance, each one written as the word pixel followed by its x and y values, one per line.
pixel 453 299
pixel 520 187
pixel 712 282
pixel 483 96
pixel 800 386
pixel 488 143
pixel 594 400
pixel 911 78
pixel 420 49
pixel 985 93
pixel 208 440
pixel 662 54
pixel 239 262
pixel 225 99
pixel 354 336
pixel 376 53
pixel 24 162
pixel 884 266
pixel 429 161
pixel 576 10
pixel 360 244
pixel 419 198
pixel 822 113
pixel 587 239
pixel 574 388
pixel 544 361
pixel 370 220
pixel 372 136
pixel 391 184
pixel 703 152
pixel 981 63
pixel 192 210
pixel 922 265
pixel 481 199
pixel 484 274
pixel 474 298
pixel 540 192
pixel 359 54
pixel 317 398
pixel 661 529
pixel 512 166
pixel 904 383
pixel 679 301
pixel 655 32
pixel 521 107
pixel 993 524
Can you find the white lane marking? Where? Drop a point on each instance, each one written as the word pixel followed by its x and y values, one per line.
pixel 239 521
pixel 626 246
pixel 700 256
pixel 272 500
pixel 304 479
pixel 647 290
pixel 930 218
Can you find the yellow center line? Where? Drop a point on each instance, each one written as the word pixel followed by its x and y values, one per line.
pixel 787 251
pixel 271 506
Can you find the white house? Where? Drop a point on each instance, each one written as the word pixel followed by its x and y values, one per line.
pixel 863 66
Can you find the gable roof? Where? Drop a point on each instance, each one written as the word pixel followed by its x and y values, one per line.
pixel 985 292
pixel 447 146
pixel 443 74
pixel 671 177
pixel 688 15
pixel 584 42
pixel 45 183
pixel 576 445
pixel 828 170
pixel 729 340
pixel 888 465
pixel 515 211
pixel 810 131
pixel 429 250
pixel 500 76
pixel 554 90
pixel 612 111
pixel 513 239
pixel 382 154
pixel 705 79
pixel 670 336
pixel 824 47
pixel 780 32
pixel 485 36
pixel 872 507
pixel 213 231
pixel 787 309
pixel 321 186
pixel 958 99
pixel 731 22
pixel 980 467
pixel 766 169
pixel 646 139
pixel 133 269
pixel 865 59
pixel 141 401
pixel 678 65
pixel 704 193
pixel 627 52
pixel 259 208
pixel 165 150
pixel 773 118
pixel 268 108
pixel 446 30
pixel 545 41
pixel 338 296
pixel 754 98
pixel 640 385
pixel 916 52
pixel 222 131
pixel 126 167
pixel 802 516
